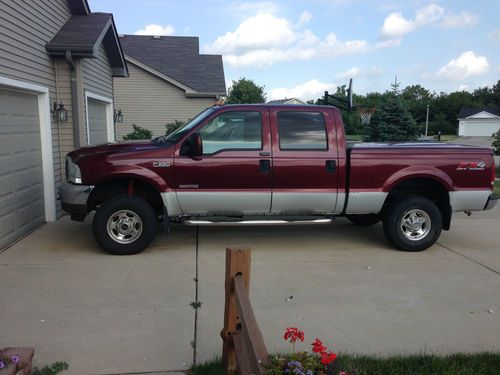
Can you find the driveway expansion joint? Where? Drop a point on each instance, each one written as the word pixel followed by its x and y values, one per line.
pixel 469 258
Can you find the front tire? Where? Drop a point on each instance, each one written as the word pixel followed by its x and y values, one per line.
pixel 124 225
pixel 412 223
pixel 364 220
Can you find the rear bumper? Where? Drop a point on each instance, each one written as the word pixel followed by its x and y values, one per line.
pixel 492 201
pixel 74 199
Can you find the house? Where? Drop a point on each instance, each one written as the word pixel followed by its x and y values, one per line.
pixel 57 63
pixel 169 80
pixel 287 101
pixel 477 122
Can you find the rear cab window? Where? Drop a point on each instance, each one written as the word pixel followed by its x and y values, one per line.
pixel 301 130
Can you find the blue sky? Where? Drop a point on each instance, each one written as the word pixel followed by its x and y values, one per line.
pixel 302 48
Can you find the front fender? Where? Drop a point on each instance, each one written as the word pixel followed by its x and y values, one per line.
pixel 133 172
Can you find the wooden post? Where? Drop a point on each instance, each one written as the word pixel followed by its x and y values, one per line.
pixel 237 262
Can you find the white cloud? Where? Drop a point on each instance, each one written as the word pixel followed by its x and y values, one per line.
pixel 395 25
pixel 370 72
pixel 265 39
pixel 466 65
pixel 463 88
pixel 462 19
pixel 312 89
pixel 495 36
pixel 304 18
pixel 154 29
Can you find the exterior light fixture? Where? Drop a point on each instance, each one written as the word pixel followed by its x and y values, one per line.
pixel 59 112
pixel 118 116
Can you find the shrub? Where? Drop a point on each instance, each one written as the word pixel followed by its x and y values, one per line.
pixel 138 133
pixel 173 126
pixel 496 143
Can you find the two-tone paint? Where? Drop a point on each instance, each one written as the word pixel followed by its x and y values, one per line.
pixel 344 179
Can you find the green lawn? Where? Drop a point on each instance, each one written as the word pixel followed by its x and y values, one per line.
pixel 496 187
pixel 463 364
pixel 448 137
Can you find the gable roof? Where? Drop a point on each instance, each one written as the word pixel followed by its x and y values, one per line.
pixel 467 112
pixel 79 6
pixel 178 58
pixel 83 34
pixel 286 101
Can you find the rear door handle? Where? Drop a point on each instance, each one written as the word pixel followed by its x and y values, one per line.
pixel 265 166
pixel 330 166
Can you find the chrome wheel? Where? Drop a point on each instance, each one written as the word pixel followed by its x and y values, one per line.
pixel 124 226
pixel 415 224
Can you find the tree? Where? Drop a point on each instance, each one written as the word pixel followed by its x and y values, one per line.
pixel 392 121
pixel 245 91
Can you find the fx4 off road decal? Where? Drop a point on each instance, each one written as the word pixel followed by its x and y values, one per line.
pixel 471 166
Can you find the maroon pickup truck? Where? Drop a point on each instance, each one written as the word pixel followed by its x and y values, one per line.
pixel 249 163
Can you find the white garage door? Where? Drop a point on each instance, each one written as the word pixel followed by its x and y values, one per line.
pixel 98 129
pixel 21 178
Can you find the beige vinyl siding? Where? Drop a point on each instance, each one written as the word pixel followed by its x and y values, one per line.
pixel 25 28
pixel 151 102
pixel 96 76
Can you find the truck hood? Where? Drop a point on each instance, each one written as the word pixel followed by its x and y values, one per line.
pixel 112 149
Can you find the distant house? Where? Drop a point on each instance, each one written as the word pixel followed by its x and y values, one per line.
pixel 478 122
pixel 169 80
pixel 57 63
pixel 287 101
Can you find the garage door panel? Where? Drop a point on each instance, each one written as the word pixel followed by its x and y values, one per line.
pixel 21 177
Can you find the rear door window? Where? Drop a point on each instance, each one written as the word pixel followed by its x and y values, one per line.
pixel 302 131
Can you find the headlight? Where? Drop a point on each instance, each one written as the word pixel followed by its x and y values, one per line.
pixel 73 172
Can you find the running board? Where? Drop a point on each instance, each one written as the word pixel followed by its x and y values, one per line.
pixel 258 222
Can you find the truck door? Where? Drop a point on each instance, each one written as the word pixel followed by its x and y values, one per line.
pixel 305 161
pixel 233 176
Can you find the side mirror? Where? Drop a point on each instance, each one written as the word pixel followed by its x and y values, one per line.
pixel 192 146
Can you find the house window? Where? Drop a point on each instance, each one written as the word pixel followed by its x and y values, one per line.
pixel 302 131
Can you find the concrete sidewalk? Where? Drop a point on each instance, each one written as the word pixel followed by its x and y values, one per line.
pixel 105 315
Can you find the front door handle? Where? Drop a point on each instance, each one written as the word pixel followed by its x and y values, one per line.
pixel 330 166
pixel 265 166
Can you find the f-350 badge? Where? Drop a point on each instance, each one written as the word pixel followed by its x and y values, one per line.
pixel 161 164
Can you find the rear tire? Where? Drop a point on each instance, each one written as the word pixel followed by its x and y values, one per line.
pixel 124 225
pixel 412 223
pixel 364 220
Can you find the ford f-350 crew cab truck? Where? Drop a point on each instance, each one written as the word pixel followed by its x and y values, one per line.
pixel 288 162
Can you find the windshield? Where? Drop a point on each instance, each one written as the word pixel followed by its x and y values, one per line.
pixel 179 133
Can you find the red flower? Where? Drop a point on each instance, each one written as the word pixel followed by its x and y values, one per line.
pixel 327 358
pixel 318 347
pixel 293 334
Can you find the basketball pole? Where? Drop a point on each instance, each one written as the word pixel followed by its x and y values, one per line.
pixel 427 121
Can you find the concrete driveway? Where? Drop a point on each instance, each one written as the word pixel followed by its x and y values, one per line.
pixel 106 315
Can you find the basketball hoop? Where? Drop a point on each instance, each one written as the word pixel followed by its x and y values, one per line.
pixel 366 113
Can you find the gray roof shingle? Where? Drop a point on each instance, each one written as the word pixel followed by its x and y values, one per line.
pixel 178 57
pixel 81 33
pixel 466 112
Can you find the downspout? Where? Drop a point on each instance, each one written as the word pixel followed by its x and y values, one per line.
pixel 59 126
pixel 74 98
